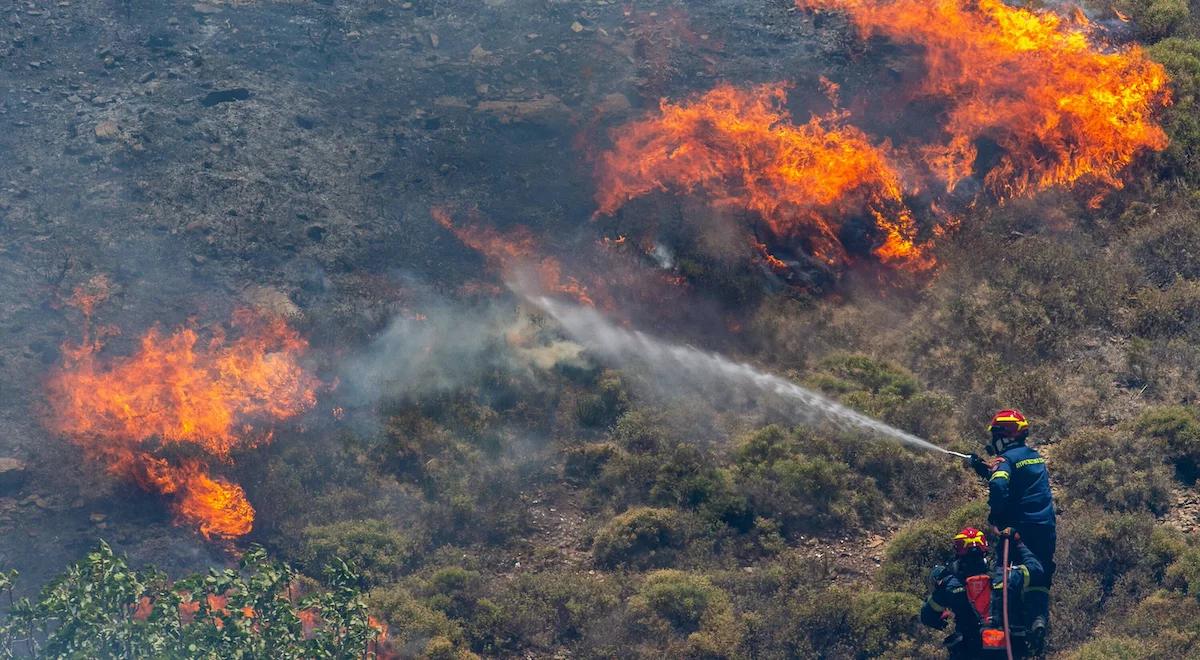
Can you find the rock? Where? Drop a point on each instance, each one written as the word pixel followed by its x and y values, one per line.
pixel 614 104
pixel 36 500
pixel 225 96
pixel 481 56
pixel 450 102
pixel 271 301
pixel 205 8
pixel 542 108
pixel 107 130
pixel 12 474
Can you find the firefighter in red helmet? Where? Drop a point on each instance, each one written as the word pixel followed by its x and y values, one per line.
pixel 1019 499
pixel 968 590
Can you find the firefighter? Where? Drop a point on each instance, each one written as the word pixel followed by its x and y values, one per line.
pixel 1019 498
pixel 970 592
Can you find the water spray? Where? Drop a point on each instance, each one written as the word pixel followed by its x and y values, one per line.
pixel 691 366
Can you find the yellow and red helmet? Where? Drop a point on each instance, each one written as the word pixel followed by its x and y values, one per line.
pixel 970 541
pixel 1009 423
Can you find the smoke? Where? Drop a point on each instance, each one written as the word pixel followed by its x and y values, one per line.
pixel 449 346
pixel 677 368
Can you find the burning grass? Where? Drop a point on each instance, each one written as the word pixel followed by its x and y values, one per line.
pixel 1062 107
pixel 180 402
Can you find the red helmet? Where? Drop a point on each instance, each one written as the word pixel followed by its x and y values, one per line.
pixel 970 541
pixel 1009 423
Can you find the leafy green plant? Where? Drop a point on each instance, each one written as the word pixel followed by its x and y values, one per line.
pixel 100 607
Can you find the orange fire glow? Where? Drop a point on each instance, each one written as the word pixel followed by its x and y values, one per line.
pixel 161 415
pixel 1062 108
pixel 742 150
pixel 508 252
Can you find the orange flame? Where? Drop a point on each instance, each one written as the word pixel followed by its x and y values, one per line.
pixel 178 394
pixel 742 149
pixel 1061 109
pixel 513 250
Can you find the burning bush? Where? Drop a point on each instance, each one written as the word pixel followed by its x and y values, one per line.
pixel 1060 108
pixel 181 401
pixel 742 149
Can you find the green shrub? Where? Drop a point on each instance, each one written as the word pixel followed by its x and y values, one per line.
pixel 1184 574
pixel 1108 562
pixel 1181 57
pixel 1111 648
pixel 883 390
pixel 584 464
pixel 375 548
pixel 1156 19
pixel 687 477
pixel 545 611
pixel 674 604
pixel 1167 544
pixel 680 599
pixel 782 480
pixel 605 405
pixel 639 538
pixel 914 552
pixel 880 619
pixel 641 431
pixel 1167 312
pixel 454 590
pixel 1168 625
pixel 1086 464
pixel 1176 431
pixel 411 623
pixel 839 623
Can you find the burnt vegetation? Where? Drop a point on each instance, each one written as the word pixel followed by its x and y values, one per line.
pixel 514 498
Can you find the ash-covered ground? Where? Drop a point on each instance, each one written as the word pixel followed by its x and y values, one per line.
pixel 209 155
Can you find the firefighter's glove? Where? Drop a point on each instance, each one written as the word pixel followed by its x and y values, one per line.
pixel 937 576
pixel 978 465
pixel 1007 533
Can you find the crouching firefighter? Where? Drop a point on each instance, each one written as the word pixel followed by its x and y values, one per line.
pixel 971 592
pixel 1019 498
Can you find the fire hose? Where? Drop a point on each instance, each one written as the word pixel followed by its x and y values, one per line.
pixel 1004 602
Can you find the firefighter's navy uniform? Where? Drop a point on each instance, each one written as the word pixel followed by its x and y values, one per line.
pixel 1019 497
pixel 953 594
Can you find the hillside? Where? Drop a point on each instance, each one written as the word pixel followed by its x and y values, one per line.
pixel 436 289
